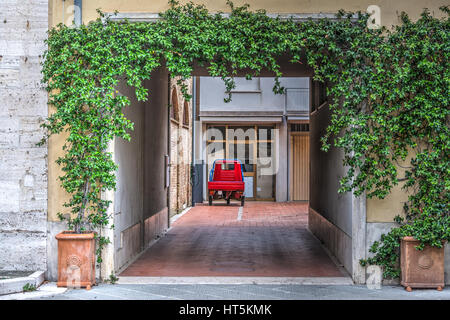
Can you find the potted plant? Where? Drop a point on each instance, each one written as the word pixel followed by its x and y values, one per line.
pixel 76 259
pixel 89 171
pixel 421 268
pixel 423 235
pixel 77 247
pixel 90 124
pixel 419 240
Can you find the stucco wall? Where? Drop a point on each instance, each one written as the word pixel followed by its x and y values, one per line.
pixel 331 214
pixel 140 201
pixel 389 9
pixel 23 165
pixel 155 143
pixel 129 195
pixel 326 170
pixel 384 210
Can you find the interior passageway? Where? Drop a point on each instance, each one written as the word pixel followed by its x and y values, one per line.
pixel 261 239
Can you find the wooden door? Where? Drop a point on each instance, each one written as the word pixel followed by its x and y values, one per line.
pixel 299 173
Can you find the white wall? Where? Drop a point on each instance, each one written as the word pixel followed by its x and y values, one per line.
pixel 140 199
pixel 253 95
pixel 333 212
pixel 128 198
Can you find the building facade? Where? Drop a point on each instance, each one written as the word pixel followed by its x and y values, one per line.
pixel 30 193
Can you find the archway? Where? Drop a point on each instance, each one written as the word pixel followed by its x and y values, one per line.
pixel 88 107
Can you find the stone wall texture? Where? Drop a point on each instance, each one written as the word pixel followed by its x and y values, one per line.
pixel 23 107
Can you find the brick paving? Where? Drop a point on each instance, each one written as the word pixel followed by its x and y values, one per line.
pixel 271 239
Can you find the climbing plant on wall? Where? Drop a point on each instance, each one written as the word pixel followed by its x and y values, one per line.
pixel 388 92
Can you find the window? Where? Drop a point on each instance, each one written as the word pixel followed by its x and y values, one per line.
pixel 186 113
pixel 174 110
pixel 300 127
pixel 227 166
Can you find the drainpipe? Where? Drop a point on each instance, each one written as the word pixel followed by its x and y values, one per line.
pixel 288 152
pixel 78 7
pixel 168 106
pixel 193 170
pixel 285 122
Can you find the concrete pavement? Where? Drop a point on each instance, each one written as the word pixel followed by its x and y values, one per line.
pixel 273 255
pixel 240 292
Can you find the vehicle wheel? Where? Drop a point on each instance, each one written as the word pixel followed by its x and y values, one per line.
pixel 228 201
pixel 210 200
pixel 242 201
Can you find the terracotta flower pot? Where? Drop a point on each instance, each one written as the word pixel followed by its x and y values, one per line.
pixel 421 268
pixel 76 259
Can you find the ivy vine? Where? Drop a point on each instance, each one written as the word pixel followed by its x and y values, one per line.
pixel 388 91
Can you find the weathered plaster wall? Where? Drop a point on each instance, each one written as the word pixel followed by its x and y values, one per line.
pixel 23 165
pixel 331 214
pixel 156 143
pixel 139 207
pixel 140 201
pixel 129 195
pixel 326 170
pixel 384 210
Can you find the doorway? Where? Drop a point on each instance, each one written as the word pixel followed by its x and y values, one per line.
pixel 299 170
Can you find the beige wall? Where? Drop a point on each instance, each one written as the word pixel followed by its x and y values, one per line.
pixel 389 8
pixel 384 210
pixel 377 210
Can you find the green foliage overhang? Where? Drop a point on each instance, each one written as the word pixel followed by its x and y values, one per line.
pixel 388 91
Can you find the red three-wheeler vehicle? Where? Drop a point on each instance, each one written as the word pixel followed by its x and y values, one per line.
pixel 226 181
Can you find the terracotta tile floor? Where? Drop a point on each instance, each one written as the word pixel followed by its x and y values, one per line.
pixel 271 239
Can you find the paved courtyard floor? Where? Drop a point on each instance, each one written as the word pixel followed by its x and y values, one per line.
pixel 261 239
